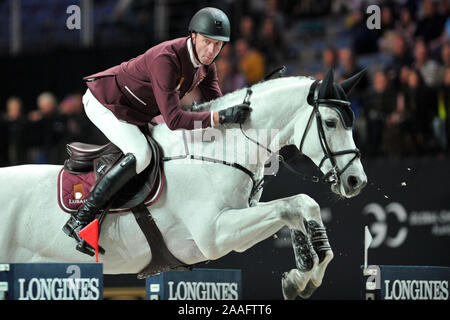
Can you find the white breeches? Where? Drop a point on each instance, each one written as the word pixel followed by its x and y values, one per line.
pixel 126 136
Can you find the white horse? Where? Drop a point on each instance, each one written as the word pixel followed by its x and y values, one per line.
pixel 204 212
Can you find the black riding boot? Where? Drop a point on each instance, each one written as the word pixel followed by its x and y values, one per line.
pixel 109 185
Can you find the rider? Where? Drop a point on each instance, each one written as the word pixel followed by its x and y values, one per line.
pixel 122 98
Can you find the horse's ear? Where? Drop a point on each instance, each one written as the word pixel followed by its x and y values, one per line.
pixel 327 86
pixel 351 82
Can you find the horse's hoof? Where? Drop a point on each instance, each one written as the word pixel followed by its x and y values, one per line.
pixel 288 287
pixel 309 290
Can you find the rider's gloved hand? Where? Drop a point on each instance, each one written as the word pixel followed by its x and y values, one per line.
pixel 237 114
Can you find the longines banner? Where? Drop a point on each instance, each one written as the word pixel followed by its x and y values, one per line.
pixel 406 206
pixel 51 281
pixel 197 284
pixel 405 282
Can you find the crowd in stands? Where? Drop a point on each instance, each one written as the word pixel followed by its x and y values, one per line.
pixel 40 136
pixel 402 106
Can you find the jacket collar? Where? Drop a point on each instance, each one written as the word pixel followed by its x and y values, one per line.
pixel 191 54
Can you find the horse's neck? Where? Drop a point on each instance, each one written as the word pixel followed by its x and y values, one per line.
pixel 276 105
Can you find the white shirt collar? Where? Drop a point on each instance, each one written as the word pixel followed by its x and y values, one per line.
pixel 191 54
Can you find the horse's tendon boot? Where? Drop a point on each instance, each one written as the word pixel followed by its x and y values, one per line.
pixel 319 239
pixel 303 249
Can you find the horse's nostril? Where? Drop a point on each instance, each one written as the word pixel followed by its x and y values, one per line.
pixel 353 181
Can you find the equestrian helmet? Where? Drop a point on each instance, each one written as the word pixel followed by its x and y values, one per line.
pixel 212 23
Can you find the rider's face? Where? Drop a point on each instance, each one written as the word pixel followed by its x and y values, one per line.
pixel 207 48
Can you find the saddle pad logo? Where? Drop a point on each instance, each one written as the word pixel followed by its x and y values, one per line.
pixel 78 192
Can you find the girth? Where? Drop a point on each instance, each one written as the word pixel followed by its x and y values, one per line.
pixel 162 260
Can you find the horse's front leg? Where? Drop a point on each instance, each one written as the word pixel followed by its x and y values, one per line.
pixel 240 229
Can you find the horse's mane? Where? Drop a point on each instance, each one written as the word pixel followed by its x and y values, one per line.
pixel 237 96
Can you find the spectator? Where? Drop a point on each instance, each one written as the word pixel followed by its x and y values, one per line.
pixel 385 42
pixel 442 122
pixel 250 61
pixel 403 77
pixel 349 67
pixel 381 101
pixel 134 15
pixel 71 125
pixel 76 122
pixel 329 60
pixel 400 57
pixel 230 79
pixel 428 67
pixel 420 106
pixel 271 43
pixel 43 130
pixel 273 12
pixel 431 25
pixel 387 18
pixel 247 30
pixel 14 124
pixel 406 25
pixel 445 57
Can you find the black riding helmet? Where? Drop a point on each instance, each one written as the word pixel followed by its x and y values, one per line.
pixel 212 23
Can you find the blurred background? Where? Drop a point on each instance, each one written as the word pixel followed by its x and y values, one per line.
pixel 402 108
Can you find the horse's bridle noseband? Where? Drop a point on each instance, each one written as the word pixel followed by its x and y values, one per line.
pixel 334 174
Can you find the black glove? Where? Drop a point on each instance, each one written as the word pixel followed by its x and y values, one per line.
pixel 236 114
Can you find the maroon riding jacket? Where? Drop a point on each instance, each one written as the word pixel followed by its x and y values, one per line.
pixel 153 83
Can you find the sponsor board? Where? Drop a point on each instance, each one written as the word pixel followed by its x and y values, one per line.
pixel 51 281
pixel 198 284
pixel 382 282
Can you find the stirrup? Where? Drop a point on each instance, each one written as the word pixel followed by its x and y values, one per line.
pixel 70 226
pixel 85 248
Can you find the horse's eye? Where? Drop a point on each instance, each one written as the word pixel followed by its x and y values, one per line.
pixel 330 123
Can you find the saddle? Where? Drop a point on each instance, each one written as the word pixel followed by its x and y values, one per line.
pixel 89 159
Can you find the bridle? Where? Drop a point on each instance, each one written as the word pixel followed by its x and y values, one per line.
pixel 334 174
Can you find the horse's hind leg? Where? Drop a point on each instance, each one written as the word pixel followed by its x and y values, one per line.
pixel 319 240
pixel 322 247
pixel 308 277
pixel 297 281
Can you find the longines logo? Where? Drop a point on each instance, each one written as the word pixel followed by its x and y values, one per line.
pixel 187 290
pixel 416 290
pixel 59 289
